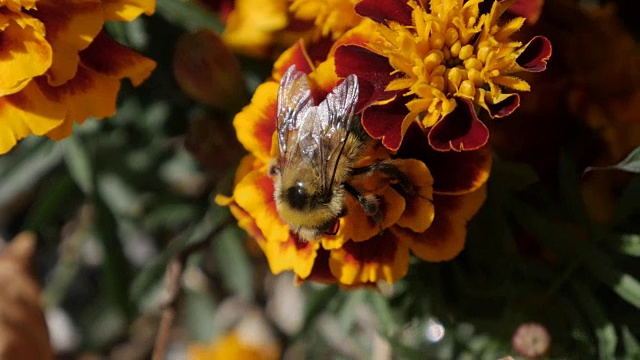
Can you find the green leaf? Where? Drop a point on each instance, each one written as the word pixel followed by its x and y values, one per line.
pixel 316 304
pixel 56 198
pixel 630 164
pixel 116 269
pixel 198 313
pixel 22 169
pixel 628 202
pixel 347 313
pixel 630 244
pixel 78 163
pixel 625 285
pixel 380 306
pixel 630 343
pixel 604 329
pixel 234 264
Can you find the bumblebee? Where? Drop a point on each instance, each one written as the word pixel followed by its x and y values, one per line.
pixel 318 146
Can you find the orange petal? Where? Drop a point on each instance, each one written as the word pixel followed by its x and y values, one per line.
pixel 256 123
pixel 126 10
pixel 89 93
pixel 358 226
pixel 419 211
pixel 445 238
pixel 30 54
pixel 71 26
pixel 108 57
pixel 17 5
pixel 383 257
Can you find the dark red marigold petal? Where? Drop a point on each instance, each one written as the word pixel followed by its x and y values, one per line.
pixel 320 271
pixel 535 55
pixel 460 130
pixel 445 238
pixel 372 70
pixel 382 11
pixel 453 172
pixel 386 122
pixel 505 107
pixel 529 9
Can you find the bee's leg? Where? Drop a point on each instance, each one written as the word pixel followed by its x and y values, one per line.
pixel 402 185
pixel 370 204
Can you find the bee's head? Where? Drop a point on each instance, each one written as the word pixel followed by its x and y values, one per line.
pixel 309 209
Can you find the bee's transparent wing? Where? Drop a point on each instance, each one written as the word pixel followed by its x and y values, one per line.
pixel 294 102
pixel 333 122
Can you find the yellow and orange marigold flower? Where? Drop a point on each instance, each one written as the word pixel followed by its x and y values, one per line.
pixel 439 62
pixel 449 189
pixel 266 28
pixel 250 339
pixel 58 66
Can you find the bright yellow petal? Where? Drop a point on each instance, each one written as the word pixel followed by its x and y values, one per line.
pixel 71 26
pixel 27 112
pixel 254 194
pixel 256 123
pixel 512 82
pixel 292 254
pixel 27 53
pixel 509 28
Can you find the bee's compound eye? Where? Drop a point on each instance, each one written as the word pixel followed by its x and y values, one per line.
pixel 297 196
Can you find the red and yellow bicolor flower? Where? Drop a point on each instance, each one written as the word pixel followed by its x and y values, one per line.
pixel 431 225
pixel 437 64
pixel 57 66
